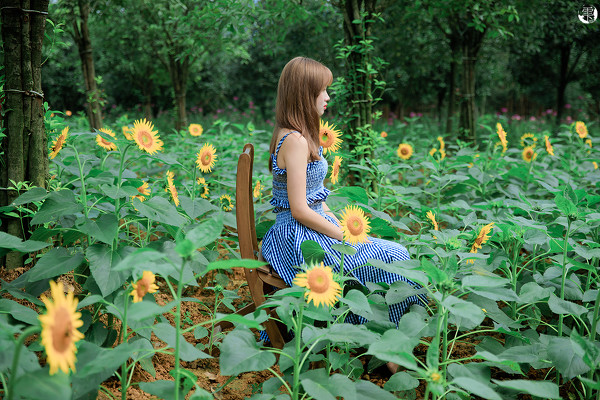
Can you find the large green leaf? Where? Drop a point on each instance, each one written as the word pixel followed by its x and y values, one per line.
pixel 531 292
pixel 565 205
pixel 396 346
pixel 207 232
pixel 41 385
pixel 355 193
pixel 54 263
pixel 18 311
pixel 358 303
pixel 10 242
pixel 232 263
pixel 103 229
pixel 464 309
pixel 195 208
pixel 560 306
pixel 401 381
pixel 102 262
pixel 187 351
pixel 541 389
pixel 312 252
pixel 369 390
pixel 240 353
pixel 565 358
pixel 477 387
pixel 57 204
pixel 33 194
pixel 162 389
pixel 159 209
pixel 317 390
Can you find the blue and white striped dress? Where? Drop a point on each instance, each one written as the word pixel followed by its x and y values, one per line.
pixel 281 244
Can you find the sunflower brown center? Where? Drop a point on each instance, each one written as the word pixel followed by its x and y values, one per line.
pixel 142 288
pixel 206 159
pixel 317 281
pixel 355 226
pixel 404 150
pixel 61 331
pixel 145 137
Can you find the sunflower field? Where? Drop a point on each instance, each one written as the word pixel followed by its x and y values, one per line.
pixel 132 262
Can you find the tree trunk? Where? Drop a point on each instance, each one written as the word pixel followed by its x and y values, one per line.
pixel 565 52
pixel 452 89
pixel 178 69
pixel 360 101
pixel 24 147
pixel 81 34
pixel 470 45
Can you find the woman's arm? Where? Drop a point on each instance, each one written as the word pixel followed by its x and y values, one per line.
pixel 294 153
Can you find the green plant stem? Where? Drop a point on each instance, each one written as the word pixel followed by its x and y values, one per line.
pixel 444 343
pixel 118 199
pixel 32 330
pixel 83 189
pixel 212 324
pixel 178 328
pixel 297 363
pixel 564 275
pixel 283 382
pixel 124 384
pixel 513 278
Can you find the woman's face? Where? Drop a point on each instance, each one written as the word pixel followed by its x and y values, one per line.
pixel 322 100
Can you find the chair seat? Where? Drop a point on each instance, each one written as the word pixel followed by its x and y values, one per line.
pixel 267 274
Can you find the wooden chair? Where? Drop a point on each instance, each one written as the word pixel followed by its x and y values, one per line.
pixel 260 280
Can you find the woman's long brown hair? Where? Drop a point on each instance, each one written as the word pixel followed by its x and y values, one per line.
pixel 300 83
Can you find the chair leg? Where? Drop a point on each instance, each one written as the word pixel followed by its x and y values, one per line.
pixel 242 311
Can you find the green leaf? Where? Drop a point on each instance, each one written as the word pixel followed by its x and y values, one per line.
pixel 559 306
pixel 464 309
pixel 114 192
pixel 104 229
pixel 58 204
pixel 33 194
pixel 240 353
pixel 397 347
pixel 18 311
pixel 54 263
pixel 312 252
pixel 104 359
pixel 317 390
pixel 354 193
pixel 381 228
pixel 231 263
pixel 564 357
pixel 33 384
pixel 11 242
pixel 369 390
pixel 102 261
pixel 531 293
pixel 162 389
pixel 207 232
pixel 476 387
pixel 542 389
pixel 565 205
pixel 159 209
pixel 187 351
pixel 245 320
pixel 358 303
pixel 147 309
pixel 401 381
pixel 197 207
pixel 343 248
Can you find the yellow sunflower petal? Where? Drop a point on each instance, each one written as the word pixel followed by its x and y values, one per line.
pixel 146 137
pixel 206 158
pixel 355 225
pixel 329 137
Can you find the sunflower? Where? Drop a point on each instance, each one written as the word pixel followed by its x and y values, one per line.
pixel 442 143
pixel 589 142
pixel 206 158
pixel 481 238
pixel 329 137
pixel 355 225
pixel 68 113
pixel 404 151
pixel 195 129
pixel 595 164
pixel 502 135
pixel 145 137
pixel 525 140
pixel 257 189
pixel 202 182
pixel 442 154
pixel 335 169
pixel 144 191
pixel 143 286
pixel 383 134
pixel 581 129
pixel 529 154
pixel 59 329
pixel 549 148
pixel 432 151
pixel 226 203
pixel 127 132
pixel 322 289
pixel 58 143
pixel 106 144
pixel 171 187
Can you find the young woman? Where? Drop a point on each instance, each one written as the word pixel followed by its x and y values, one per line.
pixel 299 196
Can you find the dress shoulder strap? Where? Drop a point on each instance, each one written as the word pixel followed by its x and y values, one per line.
pixel 281 142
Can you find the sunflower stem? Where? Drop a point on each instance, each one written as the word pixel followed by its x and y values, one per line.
pixel 124 384
pixel 178 328
pixel 118 199
pixel 32 330
pixel 297 363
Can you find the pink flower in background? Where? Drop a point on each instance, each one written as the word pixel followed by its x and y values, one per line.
pixel 569 119
pixel 549 111
pixel 516 116
pixel 419 114
pixel 251 104
pixel 532 118
pixel 412 114
pixel 554 113
pixel 567 105
pixel 200 109
pixel 244 114
pixel 219 110
pixel 504 109
pixel 390 121
pixel 235 98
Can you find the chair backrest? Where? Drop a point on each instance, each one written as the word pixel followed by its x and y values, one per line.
pixel 245 205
